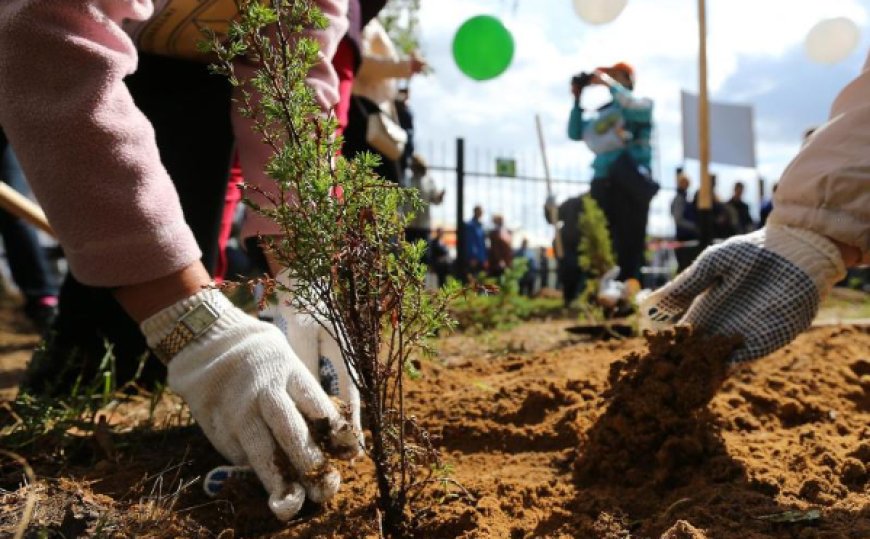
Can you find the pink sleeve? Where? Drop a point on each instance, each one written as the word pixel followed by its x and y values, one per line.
pixel 88 152
pixel 322 78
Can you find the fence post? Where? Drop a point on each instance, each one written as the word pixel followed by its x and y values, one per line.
pixel 461 263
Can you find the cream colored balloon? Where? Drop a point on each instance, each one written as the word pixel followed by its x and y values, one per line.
pixel 599 11
pixel 832 40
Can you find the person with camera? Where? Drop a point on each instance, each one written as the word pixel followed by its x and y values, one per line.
pixel 619 135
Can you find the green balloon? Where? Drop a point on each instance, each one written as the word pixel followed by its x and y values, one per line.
pixel 483 48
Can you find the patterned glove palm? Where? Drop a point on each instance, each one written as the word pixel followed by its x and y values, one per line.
pixel 253 398
pixel 765 287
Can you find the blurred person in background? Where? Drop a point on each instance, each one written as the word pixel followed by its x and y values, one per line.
pixel 420 226
pixel 544 265
pixel 374 91
pixel 723 225
pixel 683 213
pixel 501 253
pixel 567 222
pixel 738 211
pixel 405 116
pixel 438 256
pixel 766 208
pixel 528 279
pixel 475 243
pixel 348 56
pixel 26 257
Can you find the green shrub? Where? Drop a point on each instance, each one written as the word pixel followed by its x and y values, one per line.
pixel 498 303
pixel 341 241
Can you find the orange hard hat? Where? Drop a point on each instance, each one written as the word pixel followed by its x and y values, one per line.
pixel 621 66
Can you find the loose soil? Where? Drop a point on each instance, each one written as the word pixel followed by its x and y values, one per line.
pixel 548 436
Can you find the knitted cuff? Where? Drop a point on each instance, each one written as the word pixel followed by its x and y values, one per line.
pixel 158 326
pixel 816 255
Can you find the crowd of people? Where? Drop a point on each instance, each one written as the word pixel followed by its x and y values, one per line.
pixel 129 151
pixel 729 218
pixel 491 252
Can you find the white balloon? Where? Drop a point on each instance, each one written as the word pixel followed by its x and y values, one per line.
pixel 599 11
pixel 832 40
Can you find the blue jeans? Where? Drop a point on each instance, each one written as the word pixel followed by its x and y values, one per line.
pixel 27 261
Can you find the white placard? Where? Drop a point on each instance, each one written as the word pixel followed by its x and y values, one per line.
pixel 732 136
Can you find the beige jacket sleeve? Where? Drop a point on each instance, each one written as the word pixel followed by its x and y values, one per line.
pixel 826 188
pixel 381 66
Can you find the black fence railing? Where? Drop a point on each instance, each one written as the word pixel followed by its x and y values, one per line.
pixel 515 192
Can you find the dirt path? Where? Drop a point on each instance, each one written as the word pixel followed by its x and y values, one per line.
pixel 17 342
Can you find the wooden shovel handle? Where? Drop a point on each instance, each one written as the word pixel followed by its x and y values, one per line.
pixel 21 206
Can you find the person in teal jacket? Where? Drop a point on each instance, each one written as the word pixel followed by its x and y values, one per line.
pixel 619 135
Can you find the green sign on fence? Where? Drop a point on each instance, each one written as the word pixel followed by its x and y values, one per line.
pixel 506 166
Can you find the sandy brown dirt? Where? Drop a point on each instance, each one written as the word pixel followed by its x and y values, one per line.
pixel 17 341
pixel 532 437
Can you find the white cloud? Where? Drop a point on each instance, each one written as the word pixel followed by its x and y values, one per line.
pixel 658 37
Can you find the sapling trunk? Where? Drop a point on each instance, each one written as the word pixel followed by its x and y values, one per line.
pixel 341 241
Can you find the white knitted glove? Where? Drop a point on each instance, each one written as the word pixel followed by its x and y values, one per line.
pixel 610 291
pixel 318 350
pixel 765 286
pixel 251 396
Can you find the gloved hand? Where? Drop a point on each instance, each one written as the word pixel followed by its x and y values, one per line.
pixel 251 396
pixel 610 290
pixel 317 349
pixel 765 286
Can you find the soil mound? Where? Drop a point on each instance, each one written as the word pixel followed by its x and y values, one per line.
pixel 657 425
pixel 683 530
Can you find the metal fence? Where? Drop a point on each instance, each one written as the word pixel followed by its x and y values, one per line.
pixel 518 194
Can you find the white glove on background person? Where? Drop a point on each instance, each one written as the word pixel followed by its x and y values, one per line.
pixel 765 287
pixel 249 392
pixel 317 349
pixel 610 291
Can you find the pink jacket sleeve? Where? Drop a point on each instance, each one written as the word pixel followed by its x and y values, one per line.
pixel 322 78
pixel 88 152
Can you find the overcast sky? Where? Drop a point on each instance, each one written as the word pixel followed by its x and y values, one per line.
pixel 755 56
